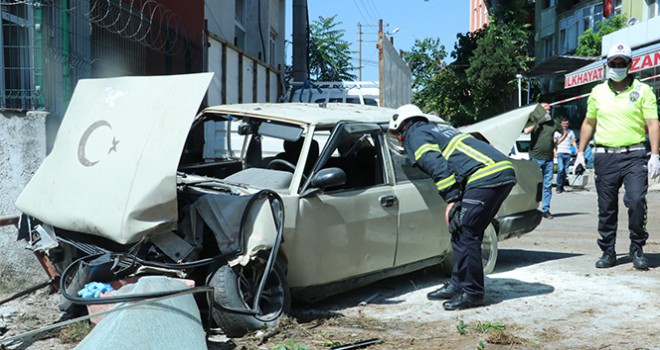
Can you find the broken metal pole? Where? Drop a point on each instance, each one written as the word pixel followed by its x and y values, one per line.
pixel 9 220
pixel 27 291
pixel 358 345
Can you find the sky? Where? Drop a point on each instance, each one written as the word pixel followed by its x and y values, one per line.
pixel 415 19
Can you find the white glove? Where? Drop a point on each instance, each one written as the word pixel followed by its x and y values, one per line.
pixel 579 160
pixel 654 166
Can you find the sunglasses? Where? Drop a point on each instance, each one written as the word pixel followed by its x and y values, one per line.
pixel 619 64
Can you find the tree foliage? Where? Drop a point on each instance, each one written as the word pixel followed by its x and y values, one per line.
pixel 589 43
pixel 497 58
pixel 481 82
pixel 329 53
pixel 425 60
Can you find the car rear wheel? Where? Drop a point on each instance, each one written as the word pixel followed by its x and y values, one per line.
pixel 236 287
pixel 489 249
pixel 488 253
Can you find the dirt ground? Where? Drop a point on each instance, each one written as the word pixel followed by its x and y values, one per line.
pixel 544 294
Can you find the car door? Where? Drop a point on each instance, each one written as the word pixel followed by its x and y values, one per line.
pixel 423 233
pixel 350 230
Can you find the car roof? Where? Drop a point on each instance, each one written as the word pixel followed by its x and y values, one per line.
pixel 311 113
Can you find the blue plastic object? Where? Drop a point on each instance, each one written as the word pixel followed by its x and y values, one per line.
pixel 94 290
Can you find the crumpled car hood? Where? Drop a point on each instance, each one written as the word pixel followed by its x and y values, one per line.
pixel 503 130
pixel 112 170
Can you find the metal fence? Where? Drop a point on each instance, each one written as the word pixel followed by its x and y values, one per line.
pixel 49 45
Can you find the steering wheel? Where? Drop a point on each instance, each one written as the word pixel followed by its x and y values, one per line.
pixel 281 164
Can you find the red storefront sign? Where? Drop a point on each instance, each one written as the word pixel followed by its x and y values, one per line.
pixel 649 60
pixel 575 79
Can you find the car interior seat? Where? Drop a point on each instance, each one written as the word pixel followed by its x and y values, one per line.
pixel 292 151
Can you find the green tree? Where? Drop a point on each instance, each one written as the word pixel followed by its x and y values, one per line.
pixel 589 43
pixel 481 82
pixel 425 60
pixel 437 87
pixel 498 57
pixel 329 53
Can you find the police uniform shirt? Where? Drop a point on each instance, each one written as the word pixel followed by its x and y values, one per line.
pixel 620 117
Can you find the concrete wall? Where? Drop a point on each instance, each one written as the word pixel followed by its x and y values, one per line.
pixel 395 78
pixel 22 149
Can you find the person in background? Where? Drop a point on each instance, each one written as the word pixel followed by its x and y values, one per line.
pixel 564 140
pixel 542 151
pixel 617 110
pixel 473 178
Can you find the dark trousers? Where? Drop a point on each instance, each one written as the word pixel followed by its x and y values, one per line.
pixel 479 207
pixel 613 170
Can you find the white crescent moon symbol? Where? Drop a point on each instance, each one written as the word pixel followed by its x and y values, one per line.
pixel 83 141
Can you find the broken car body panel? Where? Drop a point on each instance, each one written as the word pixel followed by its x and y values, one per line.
pixel 502 131
pixel 112 170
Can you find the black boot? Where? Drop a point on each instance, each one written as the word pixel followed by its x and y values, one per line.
pixel 463 301
pixel 639 260
pixel 607 260
pixel 446 292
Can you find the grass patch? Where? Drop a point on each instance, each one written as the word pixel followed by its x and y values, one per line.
pixel 500 336
pixel 486 327
pixel 74 333
pixel 496 333
pixel 290 345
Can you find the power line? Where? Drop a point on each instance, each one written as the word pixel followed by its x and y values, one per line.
pixel 366 10
pixel 360 11
pixel 375 8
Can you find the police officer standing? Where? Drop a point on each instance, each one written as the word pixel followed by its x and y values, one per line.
pixel 473 178
pixel 617 110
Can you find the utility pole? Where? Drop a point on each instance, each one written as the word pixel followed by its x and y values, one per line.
pixel 519 77
pixel 359 51
pixel 300 35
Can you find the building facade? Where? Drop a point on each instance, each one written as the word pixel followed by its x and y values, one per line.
pixel 566 80
pixel 478 15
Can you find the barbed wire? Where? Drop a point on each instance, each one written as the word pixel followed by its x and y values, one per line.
pixel 147 22
pixel 20 2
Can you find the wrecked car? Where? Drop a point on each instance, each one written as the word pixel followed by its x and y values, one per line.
pixel 263 202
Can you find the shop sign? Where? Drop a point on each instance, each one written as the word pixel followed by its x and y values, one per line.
pixel 575 79
pixel 647 61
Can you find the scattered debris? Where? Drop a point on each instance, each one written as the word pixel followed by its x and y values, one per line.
pixel 358 345
pixel 369 299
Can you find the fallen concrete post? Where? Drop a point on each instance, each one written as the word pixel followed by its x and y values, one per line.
pixel 173 323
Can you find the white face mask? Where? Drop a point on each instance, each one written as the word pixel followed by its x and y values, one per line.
pixel 617 74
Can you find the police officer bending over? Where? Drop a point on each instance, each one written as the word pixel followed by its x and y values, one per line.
pixel 473 178
pixel 617 110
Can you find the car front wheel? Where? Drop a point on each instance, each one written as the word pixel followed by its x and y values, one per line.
pixel 236 287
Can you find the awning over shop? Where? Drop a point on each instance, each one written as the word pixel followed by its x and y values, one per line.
pixel 557 65
pixel 643 58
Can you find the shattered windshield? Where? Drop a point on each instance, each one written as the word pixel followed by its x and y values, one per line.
pixel 242 151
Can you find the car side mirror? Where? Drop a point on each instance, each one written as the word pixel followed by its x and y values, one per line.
pixel 325 178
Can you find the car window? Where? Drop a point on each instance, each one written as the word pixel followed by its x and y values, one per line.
pixel 523 146
pixel 403 169
pixel 359 156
